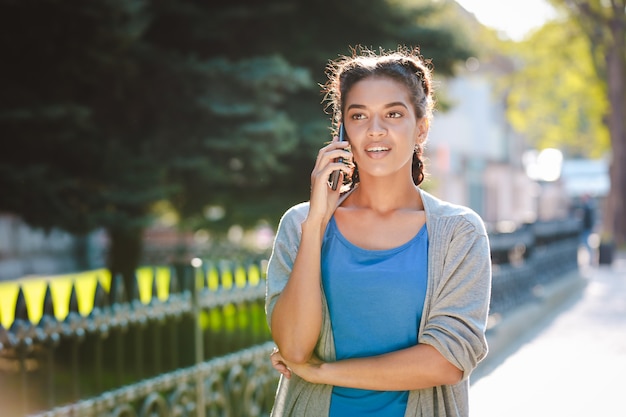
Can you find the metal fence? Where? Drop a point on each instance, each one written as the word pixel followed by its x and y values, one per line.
pixel 529 258
pixel 202 348
pixel 209 312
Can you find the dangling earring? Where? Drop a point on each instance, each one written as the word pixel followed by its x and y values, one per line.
pixel 416 156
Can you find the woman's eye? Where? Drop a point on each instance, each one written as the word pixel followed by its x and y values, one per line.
pixel 394 114
pixel 358 116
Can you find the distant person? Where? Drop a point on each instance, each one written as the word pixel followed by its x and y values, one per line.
pixel 587 223
pixel 377 292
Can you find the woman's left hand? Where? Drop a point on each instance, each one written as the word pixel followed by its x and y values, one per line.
pixel 307 371
pixel 279 363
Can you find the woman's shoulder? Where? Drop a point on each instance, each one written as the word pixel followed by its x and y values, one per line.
pixel 440 209
pixel 297 210
pixel 294 215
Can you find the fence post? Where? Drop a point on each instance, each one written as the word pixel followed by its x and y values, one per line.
pixel 196 290
pixel 174 288
pixel 20 326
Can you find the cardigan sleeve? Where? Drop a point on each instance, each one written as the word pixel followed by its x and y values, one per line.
pixel 285 248
pixel 457 318
pixel 296 397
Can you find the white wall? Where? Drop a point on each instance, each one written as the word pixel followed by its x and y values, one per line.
pixel 473 157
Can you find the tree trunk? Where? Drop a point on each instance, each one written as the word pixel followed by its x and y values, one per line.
pixel 616 84
pixel 605 25
pixel 124 256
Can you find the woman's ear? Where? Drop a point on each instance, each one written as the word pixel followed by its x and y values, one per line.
pixel 423 126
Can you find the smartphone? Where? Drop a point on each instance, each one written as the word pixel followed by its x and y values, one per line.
pixel 334 177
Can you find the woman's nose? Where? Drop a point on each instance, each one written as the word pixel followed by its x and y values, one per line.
pixel 376 127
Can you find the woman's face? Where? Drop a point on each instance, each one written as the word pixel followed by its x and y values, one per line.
pixel 382 127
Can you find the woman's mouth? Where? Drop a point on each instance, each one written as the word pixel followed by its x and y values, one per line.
pixel 376 152
pixel 377 149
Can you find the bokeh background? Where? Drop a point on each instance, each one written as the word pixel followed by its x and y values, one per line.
pixel 140 136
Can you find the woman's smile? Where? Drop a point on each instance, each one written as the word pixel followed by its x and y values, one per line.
pixel 377 151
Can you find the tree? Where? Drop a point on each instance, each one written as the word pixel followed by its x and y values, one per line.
pixel 604 23
pixel 99 122
pixel 554 96
pixel 307 34
pixel 112 106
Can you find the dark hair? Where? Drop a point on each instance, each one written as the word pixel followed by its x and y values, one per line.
pixel 404 65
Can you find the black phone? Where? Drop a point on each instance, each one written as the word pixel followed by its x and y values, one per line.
pixel 334 177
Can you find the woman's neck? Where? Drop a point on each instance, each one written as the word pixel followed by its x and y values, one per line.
pixel 385 197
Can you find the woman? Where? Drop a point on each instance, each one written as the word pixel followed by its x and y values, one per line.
pixel 377 292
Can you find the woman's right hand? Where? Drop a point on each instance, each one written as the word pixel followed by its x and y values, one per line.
pixel 323 198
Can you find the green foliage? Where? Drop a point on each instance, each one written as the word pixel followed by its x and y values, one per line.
pixel 113 106
pixel 597 20
pixel 555 97
pixel 308 34
pixel 604 25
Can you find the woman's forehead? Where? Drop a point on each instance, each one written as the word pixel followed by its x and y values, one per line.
pixel 377 90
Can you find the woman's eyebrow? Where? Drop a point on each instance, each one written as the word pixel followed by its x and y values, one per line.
pixel 388 105
pixel 396 103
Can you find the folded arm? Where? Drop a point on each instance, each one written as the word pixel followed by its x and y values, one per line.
pixel 417 367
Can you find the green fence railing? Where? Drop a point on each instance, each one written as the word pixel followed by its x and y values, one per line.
pixel 85 340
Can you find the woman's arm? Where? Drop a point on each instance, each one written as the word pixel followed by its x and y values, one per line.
pixel 417 367
pixel 457 316
pixel 296 318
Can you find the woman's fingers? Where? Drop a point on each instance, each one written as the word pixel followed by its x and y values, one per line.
pixel 328 161
pixel 279 364
pixel 335 149
pixel 323 201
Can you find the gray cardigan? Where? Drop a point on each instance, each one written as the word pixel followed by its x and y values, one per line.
pixel 453 321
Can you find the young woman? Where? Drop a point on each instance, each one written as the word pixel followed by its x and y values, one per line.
pixel 377 292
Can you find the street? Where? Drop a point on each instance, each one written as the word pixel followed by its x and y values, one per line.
pixel 571 363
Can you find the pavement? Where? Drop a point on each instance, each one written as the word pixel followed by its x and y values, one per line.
pixel 564 355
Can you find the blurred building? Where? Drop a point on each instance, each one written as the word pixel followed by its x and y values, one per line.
pixel 586 176
pixel 476 159
pixel 28 251
pixel 474 156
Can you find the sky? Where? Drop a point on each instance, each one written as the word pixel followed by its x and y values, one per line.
pixel 516 18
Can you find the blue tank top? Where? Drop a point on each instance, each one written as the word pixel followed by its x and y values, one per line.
pixel 375 299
